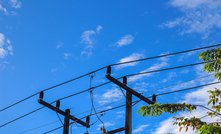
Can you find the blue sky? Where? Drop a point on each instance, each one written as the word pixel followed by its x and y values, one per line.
pixel 43 43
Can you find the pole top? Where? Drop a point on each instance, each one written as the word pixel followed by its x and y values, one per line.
pixel 41 95
pixel 108 72
pixel 125 80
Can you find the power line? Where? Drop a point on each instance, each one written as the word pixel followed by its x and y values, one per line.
pixel 38 127
pixel 166 69
pixel 135 102
pixel 105 84
pixel 75 115
pixel 21 117
pixel 177 83
pixel 104 68
pixel 188 88
pixel 164 55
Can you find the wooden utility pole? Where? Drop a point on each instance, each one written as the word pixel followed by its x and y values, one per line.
pixel 66 121
pixel 128 114
pixel 65 113
pixel 129 93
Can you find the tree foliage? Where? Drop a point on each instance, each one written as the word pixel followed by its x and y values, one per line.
pixel 212 57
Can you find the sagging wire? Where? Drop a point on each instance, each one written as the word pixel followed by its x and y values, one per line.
pixel 58 116
pixel 91 96
pixel 124 95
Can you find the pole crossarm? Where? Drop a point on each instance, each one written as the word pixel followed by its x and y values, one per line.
pixel 128 89
pixel 62 112
pixel 116 130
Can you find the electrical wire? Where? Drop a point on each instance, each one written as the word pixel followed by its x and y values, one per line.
pixel 187 88
pixel 178 83
pixel 91 95
pixel 104 68
pixel 22 116
pixel 58 116
pixel 134 103
pixel 92 101
pixel 188 65
pixel 38 127
pixel 164 55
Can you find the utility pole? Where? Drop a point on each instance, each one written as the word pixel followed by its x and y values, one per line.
pixel 65 113
pixel 66 121
pixel 129 93
pixel 128 114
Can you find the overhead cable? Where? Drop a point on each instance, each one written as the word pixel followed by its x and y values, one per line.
pixel 104 68
pixel 105 84
pixel 135 102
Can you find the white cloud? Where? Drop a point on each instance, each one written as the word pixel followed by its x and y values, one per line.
pixel 54 70
pixel 110 96
pixel 3 9
pixel 5 47
pixel 193 3
pixel 185 71
pixel 99 27
pixel 199 97
pixel 3 64
pixel 86 37
pixel 120 112
pixel 106 124
pixel 109 107
pixel 67 55
pixel 8 41
pixel 59 44
pixel 134 56
pixel 15 3
pixel 89 54
pixel 170 76
pixel 164 59
pixel 140 128
pixel 154 67
pixel 186 55
pixel 89 41
pixel 127 39
pixel 201 16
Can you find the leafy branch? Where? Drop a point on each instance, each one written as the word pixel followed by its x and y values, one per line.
pixel 215 56
pixel 158 108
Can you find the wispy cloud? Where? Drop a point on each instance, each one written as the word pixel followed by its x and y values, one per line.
pixel 186 55
pixel 134 56
pixel 184 71
pixel 201 16
pixel 106 124
pixel 140 128
pixel 67 55
pixel 5 47
pixel 170 76
pixel 59 44
pixel 127 39
pixel 120 112
pixel 166 58
pixel 154 67
pixel 3 9
pixel 88 53
pixel 193 4
pixel 99 27
pixel 86 37
pixel 109 96
pixel 15 3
